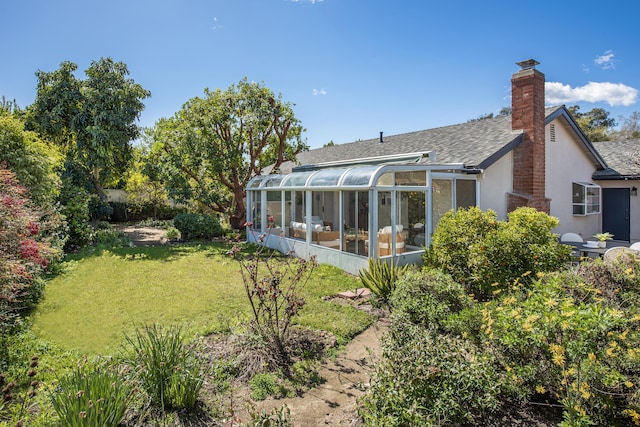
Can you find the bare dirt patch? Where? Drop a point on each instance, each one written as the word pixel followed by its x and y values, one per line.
pixel 144 236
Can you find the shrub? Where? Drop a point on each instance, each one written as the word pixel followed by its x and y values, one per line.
pixel 197 226
pixel 428 298
pixel 166 365
pixel 276 418
pixel 99 209
pixel 272 284
pixel 561 341
pixel 487 255
pixel 91 396
pixel 75 207
pixel 426 379
pixel 381 277
pixel 264 385
pixel 23 257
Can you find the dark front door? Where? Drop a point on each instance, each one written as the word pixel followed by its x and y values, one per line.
pixel 615 212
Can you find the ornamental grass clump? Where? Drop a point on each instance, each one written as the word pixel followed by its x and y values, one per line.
pixel 167 366
pixel 91 396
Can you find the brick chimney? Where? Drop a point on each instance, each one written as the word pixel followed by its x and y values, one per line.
pixel 527 115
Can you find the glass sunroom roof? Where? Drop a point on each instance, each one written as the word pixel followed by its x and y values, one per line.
pixel 355 176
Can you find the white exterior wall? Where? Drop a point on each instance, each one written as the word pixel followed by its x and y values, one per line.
pixel 495 183
pixel 566 163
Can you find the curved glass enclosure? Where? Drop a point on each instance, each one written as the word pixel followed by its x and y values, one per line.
pixel 364 211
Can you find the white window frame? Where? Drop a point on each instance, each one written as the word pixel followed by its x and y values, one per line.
pixel 586 198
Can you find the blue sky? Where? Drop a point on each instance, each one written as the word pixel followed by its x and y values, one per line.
pixel 352 68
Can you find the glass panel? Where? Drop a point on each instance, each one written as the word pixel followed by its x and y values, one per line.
pixel 593 199
pixel 322 229
pixel 326 178
pixel 256 210
pixel 417 178
pixel 465 193
pixel 297 226
pixel 296 179
pixel 411 215
pixel 288 211
pixel 386 180
pixel 384 223
pixel 256 181
pixel 273 181
pixel 442 199
pixel 274 212
pixel 359 176
pixel 355 207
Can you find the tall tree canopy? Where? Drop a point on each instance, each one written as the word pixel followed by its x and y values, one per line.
pixel 210 149
pixel 596 124
pixel 92 120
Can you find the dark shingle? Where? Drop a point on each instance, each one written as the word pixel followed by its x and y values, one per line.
pixel 622 157
pixel 475 144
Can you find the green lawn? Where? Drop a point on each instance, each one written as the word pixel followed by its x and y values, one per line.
pixel 102 295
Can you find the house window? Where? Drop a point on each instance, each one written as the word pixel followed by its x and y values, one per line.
pixel 586 198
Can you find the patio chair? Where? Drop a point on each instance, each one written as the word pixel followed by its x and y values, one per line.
pixel 575 240
pixel 617 251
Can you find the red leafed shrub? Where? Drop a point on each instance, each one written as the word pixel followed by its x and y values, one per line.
pixel 23 257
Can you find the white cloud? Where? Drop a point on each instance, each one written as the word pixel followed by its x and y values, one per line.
pixel 307 1
pixel 606 60
pixel 216 25
pixel 319 92
pixel 612 93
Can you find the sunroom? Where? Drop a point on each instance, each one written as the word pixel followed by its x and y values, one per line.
pixel 345 215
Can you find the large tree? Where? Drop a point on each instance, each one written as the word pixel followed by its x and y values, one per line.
pixel 596 124
pixel 94 120
pixel 213 146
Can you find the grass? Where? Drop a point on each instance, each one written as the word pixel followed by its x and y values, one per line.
pixel 102 295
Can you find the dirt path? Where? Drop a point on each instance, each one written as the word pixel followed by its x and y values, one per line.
pixel 334 402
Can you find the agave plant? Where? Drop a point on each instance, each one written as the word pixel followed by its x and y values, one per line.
pixel 381 277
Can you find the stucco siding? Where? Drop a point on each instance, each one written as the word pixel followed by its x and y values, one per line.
pixel 567 163
pixel 495 183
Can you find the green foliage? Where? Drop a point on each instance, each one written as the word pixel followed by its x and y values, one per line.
pixel 197 226
pixel 566 338
pixel 109 238
pixel 209 150
pixel 426 379
pixel 595 124
pixel 487 255
pixel 93 121
pixel 35 162
pixel 167 366
pixel 381 277
pixel 172 233
pixel 561 340
pixel 264 385
pixel 428 299
pixel 91 396
pixel 276 418
pixel 99 210
pixel 74 201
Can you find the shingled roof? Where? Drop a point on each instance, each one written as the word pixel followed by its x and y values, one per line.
pixel 475 144
pixel 622 157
